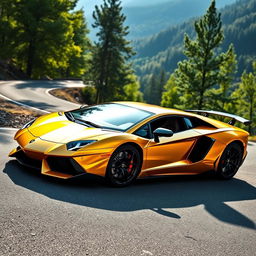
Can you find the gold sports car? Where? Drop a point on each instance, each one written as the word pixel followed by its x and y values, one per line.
pixel 125 140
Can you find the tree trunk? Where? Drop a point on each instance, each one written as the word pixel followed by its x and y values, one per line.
pixel 30 58
pixel 201 97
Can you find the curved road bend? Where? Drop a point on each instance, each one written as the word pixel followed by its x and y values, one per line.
pixel 34 94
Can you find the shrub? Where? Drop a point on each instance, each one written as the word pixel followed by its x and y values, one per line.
pixel 89 95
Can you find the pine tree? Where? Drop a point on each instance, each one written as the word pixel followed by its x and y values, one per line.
pixel 7 31
pixel 246 96
pixel 220 97
pixel 132 90
pixel 109 69
pixel 44 37
pixel 151 91
pixel 78 54
pixel 170 96
pixel 200 71
pixel 161 83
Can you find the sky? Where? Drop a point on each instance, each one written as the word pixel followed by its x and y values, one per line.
pixel 88 5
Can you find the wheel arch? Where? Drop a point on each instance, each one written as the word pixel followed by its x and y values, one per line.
pixel 238 142
pixel 140 151
pixel 136 146
pixel 131 144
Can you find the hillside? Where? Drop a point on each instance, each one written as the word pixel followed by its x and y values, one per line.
pixel 146 18
pixel 164 50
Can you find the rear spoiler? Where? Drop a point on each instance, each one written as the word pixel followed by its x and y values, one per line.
pixel 233 120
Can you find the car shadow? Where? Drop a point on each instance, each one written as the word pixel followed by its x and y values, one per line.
pixel 153 194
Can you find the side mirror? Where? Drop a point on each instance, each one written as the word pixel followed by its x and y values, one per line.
pixel 162 132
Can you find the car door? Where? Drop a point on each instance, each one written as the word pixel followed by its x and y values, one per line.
pixel 159 155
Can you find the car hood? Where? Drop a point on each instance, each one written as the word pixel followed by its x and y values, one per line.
pixel 59 129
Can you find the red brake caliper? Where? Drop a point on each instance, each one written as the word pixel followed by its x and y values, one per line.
pixel 130 166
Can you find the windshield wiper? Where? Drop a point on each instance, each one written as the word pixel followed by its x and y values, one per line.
pixel 70 116
pixel 87 122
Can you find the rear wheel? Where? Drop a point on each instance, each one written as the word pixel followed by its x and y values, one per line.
pixel 230 161
pixel 124 166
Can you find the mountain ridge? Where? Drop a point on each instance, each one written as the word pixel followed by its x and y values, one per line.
pixel 163 50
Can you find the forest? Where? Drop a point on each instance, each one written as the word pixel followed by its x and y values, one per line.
pixel 43 38
pixel 163 51
pixel 49 39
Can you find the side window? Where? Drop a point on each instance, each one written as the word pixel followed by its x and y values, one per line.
pixel 174 123
pixel 189 123
pixel 193 122
pixel 143 131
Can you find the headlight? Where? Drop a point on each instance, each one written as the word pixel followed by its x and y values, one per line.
pixel 75 145
pixel 28 124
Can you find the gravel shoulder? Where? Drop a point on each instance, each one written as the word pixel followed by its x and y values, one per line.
pixel 15 116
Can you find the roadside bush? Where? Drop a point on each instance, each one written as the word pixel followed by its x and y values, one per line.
pixel 89 95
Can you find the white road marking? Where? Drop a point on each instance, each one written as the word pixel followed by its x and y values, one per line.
pixel 144 252
pixel 48 90
pixel 9 128
pixel 22 104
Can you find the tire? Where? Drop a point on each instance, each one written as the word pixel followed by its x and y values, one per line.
pixel 124 166
pixel 230 161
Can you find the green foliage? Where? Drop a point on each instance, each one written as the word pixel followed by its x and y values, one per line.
pixel 164 50
pixel 220 97
pixel 146 21
pixel 204 68
pixel 78 54
pixel 89 95
pixel 199 72
pixel 245 96
pixel 47 37
pixel 153 92
pixel 170 96
pixel 132 90
pixel 109 69
pixel 7 31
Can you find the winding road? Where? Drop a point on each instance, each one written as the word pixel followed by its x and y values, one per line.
pixel 36 94
pixel 196 215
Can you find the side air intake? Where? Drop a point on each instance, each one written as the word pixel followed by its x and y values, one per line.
pixel 200 149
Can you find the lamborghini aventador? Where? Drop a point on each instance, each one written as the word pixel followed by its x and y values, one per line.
pixel 125 140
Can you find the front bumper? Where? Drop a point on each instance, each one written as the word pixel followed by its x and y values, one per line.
pixel 54 159
pixel 63 167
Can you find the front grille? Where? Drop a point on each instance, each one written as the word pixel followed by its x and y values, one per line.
pixel 64 165
pixel 28 161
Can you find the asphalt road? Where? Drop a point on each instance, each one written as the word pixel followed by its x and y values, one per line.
pixel 35 94
pixel 189 215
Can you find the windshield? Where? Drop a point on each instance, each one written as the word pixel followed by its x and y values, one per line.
pixel 111 116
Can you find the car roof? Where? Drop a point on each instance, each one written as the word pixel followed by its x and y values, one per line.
pixel 151 108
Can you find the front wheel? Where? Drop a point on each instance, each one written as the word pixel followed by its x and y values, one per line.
pixel 230 161
pixel 124 166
